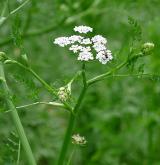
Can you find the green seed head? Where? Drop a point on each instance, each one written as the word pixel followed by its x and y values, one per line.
pixel 64 93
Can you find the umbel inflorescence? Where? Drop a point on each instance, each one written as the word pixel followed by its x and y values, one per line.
pixel 87 48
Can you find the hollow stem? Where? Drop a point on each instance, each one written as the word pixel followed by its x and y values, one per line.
pixel 16 120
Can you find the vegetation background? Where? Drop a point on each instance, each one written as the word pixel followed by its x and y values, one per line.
pixel 120 117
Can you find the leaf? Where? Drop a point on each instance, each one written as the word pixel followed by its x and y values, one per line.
pixel 155 78
pixel 12 148
pixel 136 30
pixel 141 68
pixel 16 34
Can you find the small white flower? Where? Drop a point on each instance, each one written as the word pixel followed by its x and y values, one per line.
pixel 75 48
pixel 75 38
pixel 85 41
pixel 85 49
pixel 85 56
pixel 99 47
pixel 77 139
pixel 62 41
pixel 99 39
pixel 78 48
pixel 83 29
pixel 104 56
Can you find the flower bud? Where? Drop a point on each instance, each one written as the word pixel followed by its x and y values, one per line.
pixel 3 57
pixel 64 93
pixel 147 47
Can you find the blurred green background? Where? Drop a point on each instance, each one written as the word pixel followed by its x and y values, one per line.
pixel 120 117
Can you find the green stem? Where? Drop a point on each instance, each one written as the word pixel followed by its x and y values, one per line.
pixel 84 75
pixel 12 12
pixel 42 102
pixel 71 156
pixel 48 87
pixel 17 121
pixel 66 140
pixel 18 8
pixel 19 152
pixel 35 33
pixel 103 76
pixel 69 131
pixel 134 75
pixel 71 123
pixel 44 83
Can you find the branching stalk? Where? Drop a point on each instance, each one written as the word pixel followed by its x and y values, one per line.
pixel 71 123
pixel 103 76
pixel 44 83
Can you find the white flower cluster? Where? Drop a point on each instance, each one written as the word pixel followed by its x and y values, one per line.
pixel 83 29
pixel 83 46
pixel 79 140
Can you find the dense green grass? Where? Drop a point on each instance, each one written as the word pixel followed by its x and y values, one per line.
pixel 120 117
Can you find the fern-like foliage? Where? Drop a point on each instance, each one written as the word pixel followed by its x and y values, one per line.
pixel 11 149
pixel 136 30
pixel 28 84
pixel 135 45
